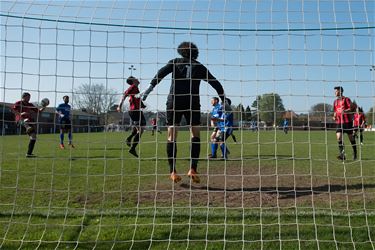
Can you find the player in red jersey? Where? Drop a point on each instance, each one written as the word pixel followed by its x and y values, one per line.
pixel 25 112
pixel 343 115
pixel 359 123
pixel 154 124
pixel 135 113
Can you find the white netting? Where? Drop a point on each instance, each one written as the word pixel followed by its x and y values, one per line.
pixel 275 59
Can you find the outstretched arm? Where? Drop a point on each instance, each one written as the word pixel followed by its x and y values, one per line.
pixel 163 72
pixel 120 103
pixel 216 85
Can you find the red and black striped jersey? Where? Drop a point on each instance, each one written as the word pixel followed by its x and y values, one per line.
pixel 26 108
pixel 359 118
pixel 153 122
pixel 340 104
pixel 134 102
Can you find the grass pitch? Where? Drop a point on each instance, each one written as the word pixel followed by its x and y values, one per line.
pixel 275 191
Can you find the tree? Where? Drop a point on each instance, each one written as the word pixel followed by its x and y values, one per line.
pixel 270 108
pixel 238 113
pixel 95 98
pixel 242 114
pixel 248 113
pixel 321 111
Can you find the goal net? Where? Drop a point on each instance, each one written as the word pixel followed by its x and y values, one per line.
pixel 281 185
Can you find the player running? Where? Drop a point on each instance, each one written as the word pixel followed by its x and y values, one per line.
pixel 135 113
pixel 63 111
pixel 25 112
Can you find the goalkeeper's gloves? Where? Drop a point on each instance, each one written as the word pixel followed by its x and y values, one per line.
pixel 145 93
pixel 143 106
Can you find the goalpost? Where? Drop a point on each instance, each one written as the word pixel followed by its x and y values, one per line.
pixel 279 189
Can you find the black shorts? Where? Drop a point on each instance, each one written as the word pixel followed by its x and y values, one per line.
pixel 29 127
pixel 183 106
pixel 344 128
pixel 357 129
pixel 65 124
pixel 137 117
pixel 223 136
pixel 174 117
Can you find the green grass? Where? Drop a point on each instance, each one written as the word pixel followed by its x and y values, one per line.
pixel 276 191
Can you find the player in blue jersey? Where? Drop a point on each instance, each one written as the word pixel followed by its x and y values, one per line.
pixel 225 129
pixel 63 111
pixel 216 114
pixel 285 126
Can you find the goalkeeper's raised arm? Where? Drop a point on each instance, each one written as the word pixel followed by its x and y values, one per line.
pixel 184 101
pixel 187 74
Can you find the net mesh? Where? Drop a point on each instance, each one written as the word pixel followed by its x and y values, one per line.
pixel 281 187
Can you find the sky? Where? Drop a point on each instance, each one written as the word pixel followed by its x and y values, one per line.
pixel 297 49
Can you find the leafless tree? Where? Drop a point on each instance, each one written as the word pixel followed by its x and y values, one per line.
pixel 95 98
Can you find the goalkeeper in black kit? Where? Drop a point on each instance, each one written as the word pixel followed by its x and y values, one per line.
pixel 184 101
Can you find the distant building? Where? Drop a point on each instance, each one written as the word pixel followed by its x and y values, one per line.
pixel 308 121
pixel 289 115
pixel 47 121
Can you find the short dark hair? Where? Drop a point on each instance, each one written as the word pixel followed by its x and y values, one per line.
pixel 188 50
pixel 339 88
pixel 215 98
pixel 130 80
pixel 65 96
pixel 229 101
pixel 24 94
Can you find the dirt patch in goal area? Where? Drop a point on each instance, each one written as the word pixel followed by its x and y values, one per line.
pixel 245 187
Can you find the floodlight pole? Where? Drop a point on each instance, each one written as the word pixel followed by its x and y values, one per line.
pixel 372 69
pixel 131 68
